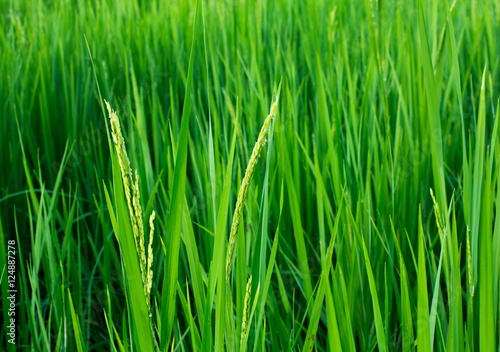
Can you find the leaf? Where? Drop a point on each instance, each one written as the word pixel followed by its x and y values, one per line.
pixel 423 334
pixel 173 235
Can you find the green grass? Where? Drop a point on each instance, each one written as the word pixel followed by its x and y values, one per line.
pixel 370 222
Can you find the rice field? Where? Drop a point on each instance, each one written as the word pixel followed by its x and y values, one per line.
pixel 241 175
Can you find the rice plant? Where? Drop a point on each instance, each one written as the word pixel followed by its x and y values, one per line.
pixel 249 176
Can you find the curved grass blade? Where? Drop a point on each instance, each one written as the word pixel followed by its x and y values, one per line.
pixel 173 236
pixel 423 334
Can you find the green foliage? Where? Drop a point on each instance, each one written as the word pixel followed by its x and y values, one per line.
pixel 380 102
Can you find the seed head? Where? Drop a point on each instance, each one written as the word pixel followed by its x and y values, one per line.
pixel 140 228
pixel 149 279
pixel 246 309
pixel 245 184
pixel 133 197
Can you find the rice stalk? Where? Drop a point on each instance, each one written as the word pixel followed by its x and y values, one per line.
pixel 246 308
pixel 125 168
pixel 149 278
pixel 133 196
pixel 439 217
pixel 469 265
pixel 245 184
pixel 140 228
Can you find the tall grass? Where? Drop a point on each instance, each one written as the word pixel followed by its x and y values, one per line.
pixel 370 222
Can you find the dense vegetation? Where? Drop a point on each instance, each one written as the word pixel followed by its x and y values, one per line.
pixel 370 222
